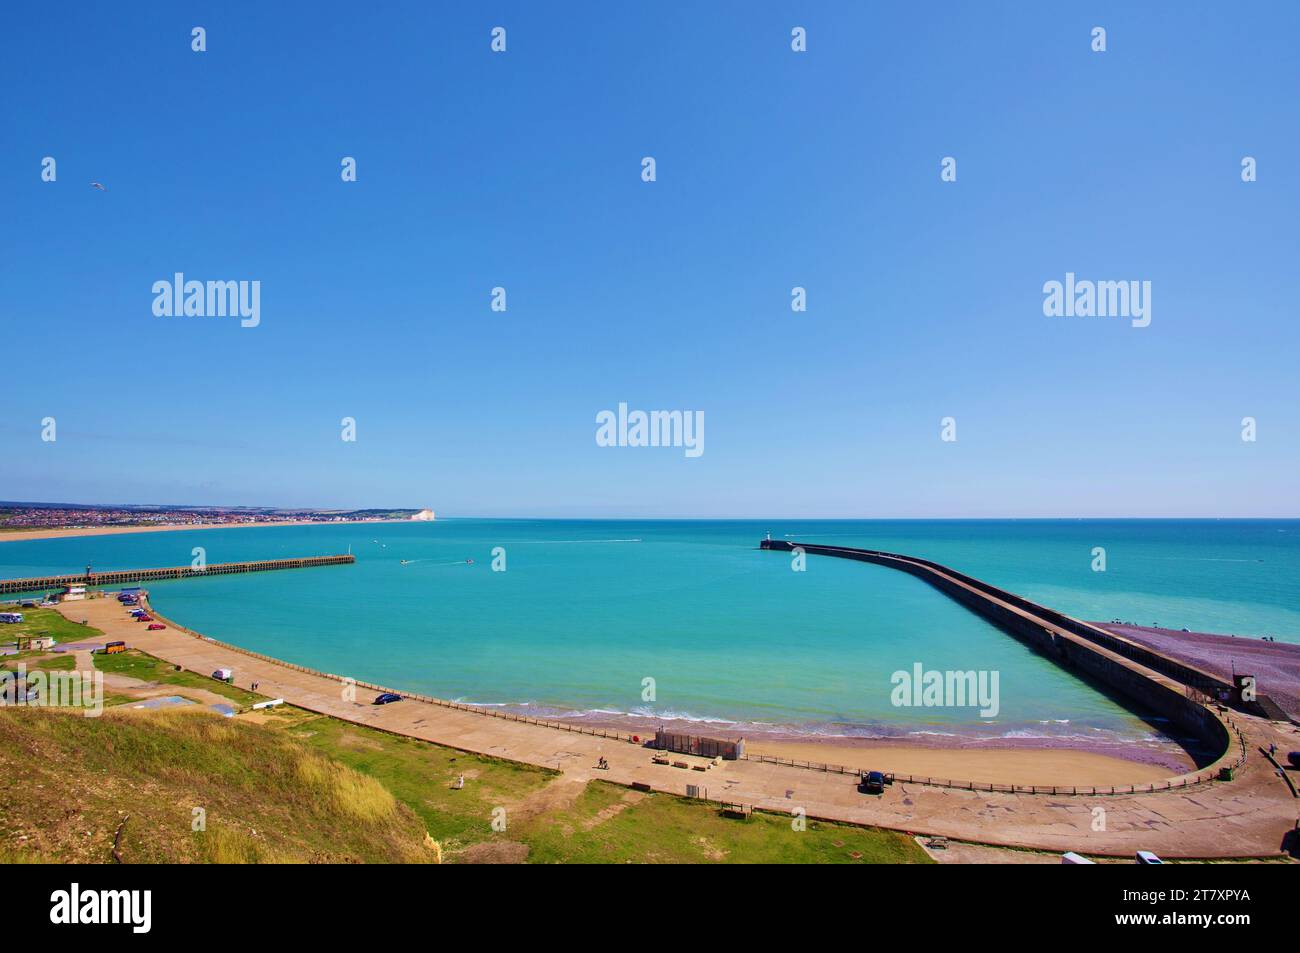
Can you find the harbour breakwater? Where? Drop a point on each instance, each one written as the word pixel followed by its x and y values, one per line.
pixel 118 577
pixel 1183 694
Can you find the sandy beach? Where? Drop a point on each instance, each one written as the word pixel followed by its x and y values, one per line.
pixel 1040 760
pixel 13 535
pixel 1040 765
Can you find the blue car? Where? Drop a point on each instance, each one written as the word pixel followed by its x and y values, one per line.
pixel 387 698
pixel 872 782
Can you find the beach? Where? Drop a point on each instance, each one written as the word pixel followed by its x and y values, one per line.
pixel 1025 766
pixel 1037 758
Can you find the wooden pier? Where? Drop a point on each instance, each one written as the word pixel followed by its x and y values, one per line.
pixel 119 576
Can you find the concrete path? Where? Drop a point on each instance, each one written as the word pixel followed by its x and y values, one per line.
pixel 1249 816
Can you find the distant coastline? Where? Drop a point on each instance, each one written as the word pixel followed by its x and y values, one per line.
pixel 67 532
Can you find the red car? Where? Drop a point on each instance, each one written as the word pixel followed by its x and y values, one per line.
pixel 155 627
pixel 144 618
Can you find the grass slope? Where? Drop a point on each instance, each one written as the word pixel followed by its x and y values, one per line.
pixel 549 819
pixel 291 785
pixel 67 781
pixel 42 622
pixel 137 664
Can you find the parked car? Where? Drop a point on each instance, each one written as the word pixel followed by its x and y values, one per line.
pixel 223 674
pixel 1070 857
pixel 144 617
pixel 387 698
pixel 156 627
pixel 1146 857
pixel 872 782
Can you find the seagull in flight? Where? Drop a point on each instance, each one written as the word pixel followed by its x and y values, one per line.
pixel 98 185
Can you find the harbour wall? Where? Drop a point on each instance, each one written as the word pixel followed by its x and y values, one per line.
pixel 118 577
pixel 1156 682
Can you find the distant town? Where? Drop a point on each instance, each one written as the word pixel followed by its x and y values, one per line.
pixel 49 516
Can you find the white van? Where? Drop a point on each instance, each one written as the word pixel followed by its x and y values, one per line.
pixel 11 617
pixel 223 674
pixel 1070 857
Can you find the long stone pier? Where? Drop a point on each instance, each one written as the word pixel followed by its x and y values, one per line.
pixel 1184 694
pixel 119 576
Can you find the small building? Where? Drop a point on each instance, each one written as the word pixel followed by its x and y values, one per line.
pixel 73 594
pixel 26 643
pixel 728 750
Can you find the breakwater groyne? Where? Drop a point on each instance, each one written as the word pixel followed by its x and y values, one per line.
pixel 117 577
pixel 1180 692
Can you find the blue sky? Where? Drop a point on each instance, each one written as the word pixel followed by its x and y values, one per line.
pixel 775 169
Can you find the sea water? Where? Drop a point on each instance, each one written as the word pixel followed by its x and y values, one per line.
pixel 689 621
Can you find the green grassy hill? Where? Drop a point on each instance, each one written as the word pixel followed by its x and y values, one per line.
pixel 550 819
pixel 68 781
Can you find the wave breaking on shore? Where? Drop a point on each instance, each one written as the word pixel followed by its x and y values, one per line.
pixel 1155 746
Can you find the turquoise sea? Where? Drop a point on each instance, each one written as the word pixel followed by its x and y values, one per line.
pixel 586 611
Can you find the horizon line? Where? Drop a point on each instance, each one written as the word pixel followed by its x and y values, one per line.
pixel 716 519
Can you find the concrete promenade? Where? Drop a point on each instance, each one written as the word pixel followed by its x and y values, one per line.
pixel 1249 816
